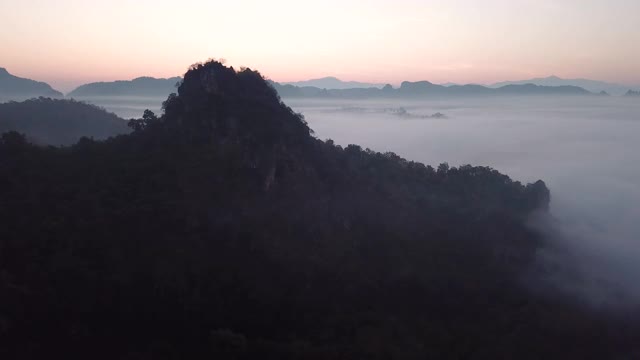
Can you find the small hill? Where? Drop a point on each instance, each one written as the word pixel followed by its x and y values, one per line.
pixel 142 86
pixel 59 122
pixel 17 88
pixel 632 93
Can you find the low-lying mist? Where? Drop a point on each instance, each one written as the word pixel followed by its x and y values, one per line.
pixel 585 148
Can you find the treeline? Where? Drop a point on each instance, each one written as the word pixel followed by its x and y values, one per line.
pixel 223 229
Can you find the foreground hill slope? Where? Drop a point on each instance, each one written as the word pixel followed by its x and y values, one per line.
pixel 59 122
pixel 17 88
pixel 224 230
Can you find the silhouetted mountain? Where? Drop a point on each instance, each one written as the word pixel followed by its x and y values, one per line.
pixel 142 86
pixel 150 87
pixel 427 89
pixel 16 88
pixel 59 122
pixel 593 86
pixel 296 91
pixel 333 83
pixel 224 230
pixel 531 89
pixel 421 88
pixel 632 93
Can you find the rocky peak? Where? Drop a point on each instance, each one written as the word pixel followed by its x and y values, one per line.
pixel 216 101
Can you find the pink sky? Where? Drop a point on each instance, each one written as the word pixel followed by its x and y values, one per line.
pixel 70 42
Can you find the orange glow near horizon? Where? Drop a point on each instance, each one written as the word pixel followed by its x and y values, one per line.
pixel 71 42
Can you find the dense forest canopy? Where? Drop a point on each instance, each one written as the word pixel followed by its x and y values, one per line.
pixel 59 122
pixel 224 229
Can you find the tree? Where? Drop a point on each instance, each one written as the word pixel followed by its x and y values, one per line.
pixel 443 168
pixel 148 118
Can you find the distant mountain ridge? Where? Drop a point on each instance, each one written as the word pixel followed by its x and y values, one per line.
pixel 331 87
pixel 426 88
pixel 16 88
pixel 594 86
pixel 142 86
pixel 331 82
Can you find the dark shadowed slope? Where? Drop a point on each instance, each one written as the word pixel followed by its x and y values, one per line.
pixel 16 88
pixel 142 86
pixel 59 122
pixel 224 230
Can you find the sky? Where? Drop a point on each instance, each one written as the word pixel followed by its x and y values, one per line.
pixel 70 42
